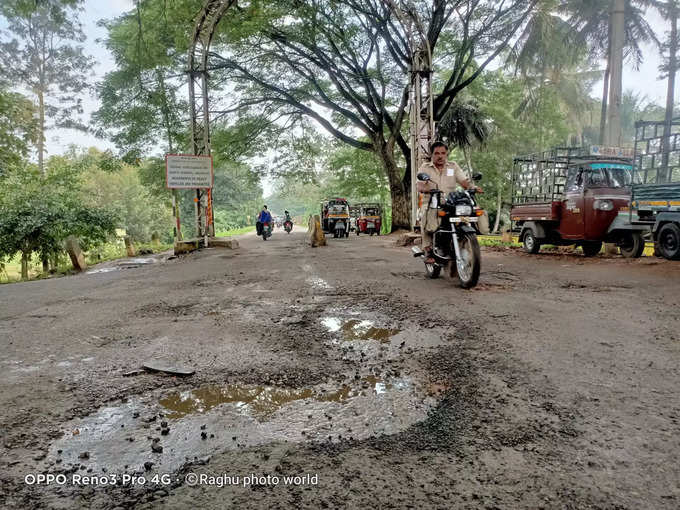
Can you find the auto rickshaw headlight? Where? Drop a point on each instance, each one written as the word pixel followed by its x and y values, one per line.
pixel 603 205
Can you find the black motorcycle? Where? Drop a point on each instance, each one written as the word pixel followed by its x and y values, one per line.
pixel 455 241
pixel 288 226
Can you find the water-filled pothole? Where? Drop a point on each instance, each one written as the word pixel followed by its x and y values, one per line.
pixel 356 329
pixel 211 419
pixel 263 401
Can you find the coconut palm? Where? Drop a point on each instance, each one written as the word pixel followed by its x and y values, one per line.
pixel 463 125
pixel 592 21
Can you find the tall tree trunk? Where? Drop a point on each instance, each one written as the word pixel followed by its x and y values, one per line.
pixel 605 91
pixel 400 190
pixel 665 174
pixel 499 206
pixel 45 264
pixel 616 87
pixel 24 264
pixel 41 132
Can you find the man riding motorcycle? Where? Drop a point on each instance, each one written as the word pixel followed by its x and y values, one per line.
pixel 444 175
pixel 262 218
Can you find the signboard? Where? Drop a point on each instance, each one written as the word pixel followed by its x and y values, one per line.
pixel 614 152
pixel 185 171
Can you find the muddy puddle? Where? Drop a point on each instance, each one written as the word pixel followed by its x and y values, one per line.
pixel 175 427
pixel 123 264
pixel 351 329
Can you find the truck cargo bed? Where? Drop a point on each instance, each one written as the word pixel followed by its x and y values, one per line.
pixel 657 195
pixel 544 211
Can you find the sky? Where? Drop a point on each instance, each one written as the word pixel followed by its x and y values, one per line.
pixel 644 81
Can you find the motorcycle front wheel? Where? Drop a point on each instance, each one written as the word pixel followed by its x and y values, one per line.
pixel 469 264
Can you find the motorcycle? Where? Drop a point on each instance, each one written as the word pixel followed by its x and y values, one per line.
pixel 288 226
pixel 266 231
pixel 455 240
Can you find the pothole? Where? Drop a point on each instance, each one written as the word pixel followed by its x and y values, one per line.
pixel 170 429
pixel 357 329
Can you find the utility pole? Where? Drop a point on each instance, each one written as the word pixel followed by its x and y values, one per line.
pixel 421 108
pixel 618 28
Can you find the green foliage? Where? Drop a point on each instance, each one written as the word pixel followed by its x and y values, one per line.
pixel 36 214
pixel 42 50
pixel 143 100
pixel 18 129
pixel 139 211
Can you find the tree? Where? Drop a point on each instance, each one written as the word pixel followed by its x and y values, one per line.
pixel 36 215
pixel 141 101
pixel 463 125
pixel 594 22
pixel 43 52
pixel 670 10
pixel 18 129
pixel 344 64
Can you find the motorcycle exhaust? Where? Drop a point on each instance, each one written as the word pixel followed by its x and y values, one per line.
pixel 417 252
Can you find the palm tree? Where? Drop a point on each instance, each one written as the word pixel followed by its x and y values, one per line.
pixel 670 10
pixel 593 21
pixel 550 62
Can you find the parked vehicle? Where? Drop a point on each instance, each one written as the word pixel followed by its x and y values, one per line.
pixel 655 200
pixel 370 219
pixel 455 241
pixel 335 217
pixel 572 196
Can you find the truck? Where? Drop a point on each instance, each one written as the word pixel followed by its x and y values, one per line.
pixel 655 199
pixel 572 196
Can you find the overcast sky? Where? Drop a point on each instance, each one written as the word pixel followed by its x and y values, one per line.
pixel 644 81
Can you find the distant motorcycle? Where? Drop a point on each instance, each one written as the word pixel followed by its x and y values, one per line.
pixel 266 231
pixel 455 240
pixel 288 226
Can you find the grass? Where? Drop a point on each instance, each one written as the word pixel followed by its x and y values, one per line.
pixel 109 251
pixel 235 232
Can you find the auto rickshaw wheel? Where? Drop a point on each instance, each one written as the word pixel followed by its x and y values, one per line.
pixel 591 248
pixel 632 246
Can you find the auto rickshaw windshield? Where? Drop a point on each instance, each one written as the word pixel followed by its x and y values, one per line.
pixel 610 175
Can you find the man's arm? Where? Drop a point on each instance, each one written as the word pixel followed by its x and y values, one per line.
pixel 422 186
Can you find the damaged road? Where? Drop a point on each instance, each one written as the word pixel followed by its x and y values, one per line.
pixel 348 377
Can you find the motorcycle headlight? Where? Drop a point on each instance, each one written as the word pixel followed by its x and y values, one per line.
pixel 603 205
pixel 463 210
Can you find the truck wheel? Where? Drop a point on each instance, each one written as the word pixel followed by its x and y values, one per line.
pixel 632 246
pixel 531 244
pixel 669 241
pixel 591 248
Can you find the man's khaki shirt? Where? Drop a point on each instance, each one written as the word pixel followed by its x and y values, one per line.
pixel 447 181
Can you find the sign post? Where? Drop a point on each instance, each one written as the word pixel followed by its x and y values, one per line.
pixel 184 171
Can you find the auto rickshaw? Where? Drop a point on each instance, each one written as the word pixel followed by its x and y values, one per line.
pixel 370 219
pixel 335 217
